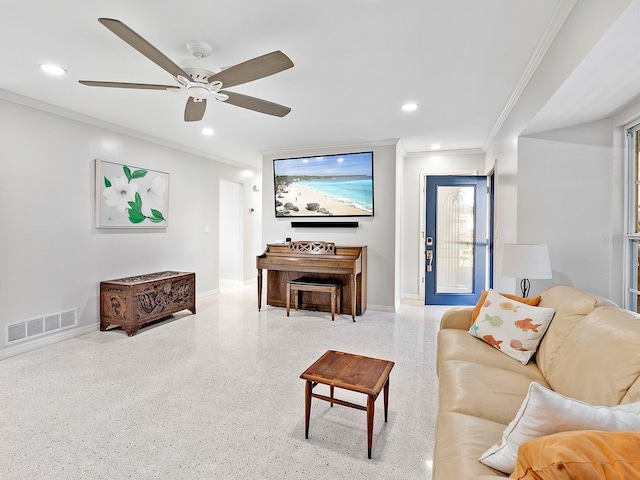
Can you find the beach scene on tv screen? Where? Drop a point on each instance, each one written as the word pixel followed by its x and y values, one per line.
pixel 331 185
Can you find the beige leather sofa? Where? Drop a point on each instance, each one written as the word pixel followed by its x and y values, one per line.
pixel 590 352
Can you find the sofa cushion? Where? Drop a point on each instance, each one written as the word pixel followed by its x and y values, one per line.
pixel 510 326
pixel 456 318
pixel 633 394
pixel 534 301
pixel 455 344
pixel 600 359
pixel 483 391
pixel 585 454
pixel 544 412
pixel 460 440
pixel 571 306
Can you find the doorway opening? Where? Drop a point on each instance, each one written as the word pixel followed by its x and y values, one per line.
pixel 457 238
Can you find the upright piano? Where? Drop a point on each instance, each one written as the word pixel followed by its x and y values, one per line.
pixel 287 261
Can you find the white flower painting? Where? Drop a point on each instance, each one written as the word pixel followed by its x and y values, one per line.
pixel 129 196
pixel 120 193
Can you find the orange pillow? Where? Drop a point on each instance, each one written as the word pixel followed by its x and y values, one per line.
pixel 483 295
pixel 586 454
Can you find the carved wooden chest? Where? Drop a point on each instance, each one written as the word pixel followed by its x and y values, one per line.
pixel 131 302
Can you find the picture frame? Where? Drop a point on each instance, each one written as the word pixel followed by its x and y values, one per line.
pixel 128 196
pixel 338 185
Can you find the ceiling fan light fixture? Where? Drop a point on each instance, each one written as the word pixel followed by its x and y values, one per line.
pixel 200 79
pixel 409 107
pixel 198 92
pixel 52 69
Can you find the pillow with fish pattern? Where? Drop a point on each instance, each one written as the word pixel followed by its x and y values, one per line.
pixel 510 326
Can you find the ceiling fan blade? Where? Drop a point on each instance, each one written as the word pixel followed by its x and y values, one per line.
pixel 141 86
pixel 144 47
pixel 256 104
pixel 194 111
pixel 253 69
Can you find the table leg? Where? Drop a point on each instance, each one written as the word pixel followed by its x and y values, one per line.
pixel 331 387
pixel 386 399
pixel 371 402
pixel 288 297
pixel 307 406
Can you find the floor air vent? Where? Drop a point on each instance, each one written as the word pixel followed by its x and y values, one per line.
pixel 39 326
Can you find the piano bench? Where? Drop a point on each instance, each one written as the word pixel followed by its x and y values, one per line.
pixel 307 284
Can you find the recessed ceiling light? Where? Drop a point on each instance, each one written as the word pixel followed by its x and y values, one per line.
pixel 207 131
pixel 52 69
pixel 409 107
pixel 436 146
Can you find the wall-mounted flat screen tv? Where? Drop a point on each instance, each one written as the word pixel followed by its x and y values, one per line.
pixel 324 186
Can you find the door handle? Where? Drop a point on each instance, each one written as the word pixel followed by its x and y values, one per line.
pixel 429 254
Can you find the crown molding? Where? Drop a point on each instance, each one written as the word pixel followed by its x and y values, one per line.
pixel 327 149
pixel 63 112
pixel 445 153
pixel 558 17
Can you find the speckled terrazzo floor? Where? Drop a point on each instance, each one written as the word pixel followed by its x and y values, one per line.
pixel 217 395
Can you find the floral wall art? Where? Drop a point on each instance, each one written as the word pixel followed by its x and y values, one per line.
pixel 128 196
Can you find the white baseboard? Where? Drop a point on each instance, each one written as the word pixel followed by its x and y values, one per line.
pixel 208 293
pixel 381 308
pixel 28 346
pixel 412 297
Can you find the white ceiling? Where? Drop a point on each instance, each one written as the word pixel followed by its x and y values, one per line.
pixel 607 80
pixel 356 63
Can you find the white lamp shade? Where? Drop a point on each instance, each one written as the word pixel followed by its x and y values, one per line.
pixel 525 261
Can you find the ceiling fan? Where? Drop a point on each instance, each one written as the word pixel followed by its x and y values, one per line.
pixel 202 83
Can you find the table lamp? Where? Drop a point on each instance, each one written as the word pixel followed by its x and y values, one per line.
pixel 525 261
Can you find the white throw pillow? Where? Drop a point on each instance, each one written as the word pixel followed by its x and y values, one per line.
pixel 512 327
pixel 544 412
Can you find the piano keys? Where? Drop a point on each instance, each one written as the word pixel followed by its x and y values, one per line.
pixel 288 261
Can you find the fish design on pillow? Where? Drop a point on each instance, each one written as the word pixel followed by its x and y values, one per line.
pixel 474 328
pixel 494 320
pixel 517 345
pixel 527 324
pixel 509 306
pixel 492 341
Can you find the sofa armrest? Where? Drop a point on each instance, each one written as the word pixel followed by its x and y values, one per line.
pixel 457 317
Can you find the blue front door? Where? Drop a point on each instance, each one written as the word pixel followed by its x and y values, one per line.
pixel 456 239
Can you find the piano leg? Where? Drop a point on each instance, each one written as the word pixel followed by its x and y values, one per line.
pixel 354 289
pixel 259 289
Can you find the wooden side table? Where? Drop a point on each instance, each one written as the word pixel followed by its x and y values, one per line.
pixel 352 372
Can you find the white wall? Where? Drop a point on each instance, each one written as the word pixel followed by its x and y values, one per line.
pixel 230 232
pixel 52 258
pixel 377 232
pixel 416 167
pixel 565 200
pixel 399 225
pixel 503 157
pixel 252 215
